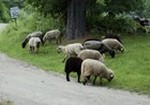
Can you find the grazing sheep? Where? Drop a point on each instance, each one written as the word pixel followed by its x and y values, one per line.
pixel 33 34
pixel 142 21
pixel 34 44
pixel 91 67
pixel 91 54
pixel 99 46
pixel 92 39
pixel 114 44
pixel 73 64
pixel 52 35
pixel 70 49
pixel 114 36
pixel 145 23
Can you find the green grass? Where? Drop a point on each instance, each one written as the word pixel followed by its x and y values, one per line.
pixel 132 68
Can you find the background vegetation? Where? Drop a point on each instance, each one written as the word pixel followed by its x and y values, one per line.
pixel 131 68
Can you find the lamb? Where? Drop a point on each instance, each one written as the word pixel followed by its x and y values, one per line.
pixel 34 44
pixel 114 44
pixel 99 46
pixel 70 49
pixel 91 67
pixel 33 34
pixel 91 54
pixel 73 64
pixel 52 35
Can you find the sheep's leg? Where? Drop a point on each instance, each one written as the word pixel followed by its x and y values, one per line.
pixel 30 49
pixel 60 40
pixel 88 77
pixel 67 77
pixel 37 50
pixel 65 59
pixel 101 81
pixel 94 80
pixel 56 41
pixel 78 77
pixel 33 49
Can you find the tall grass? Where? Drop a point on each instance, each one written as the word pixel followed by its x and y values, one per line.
pixel 132 70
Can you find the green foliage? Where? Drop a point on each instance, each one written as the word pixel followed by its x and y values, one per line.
pixel 94 9
pixel 4 12
pixel 53 7
pixel 5 6
pixel 120 6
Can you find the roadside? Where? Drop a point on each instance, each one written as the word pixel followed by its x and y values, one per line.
pixel 2 26
pixel 24 84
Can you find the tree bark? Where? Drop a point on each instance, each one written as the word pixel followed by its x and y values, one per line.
pixel 76 19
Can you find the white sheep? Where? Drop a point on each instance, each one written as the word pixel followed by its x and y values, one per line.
pixel 33 34
pixel 114 44
pixel 91 67
pixel 52 35
pixel 91 54
pixel 70 49
pixel 34 44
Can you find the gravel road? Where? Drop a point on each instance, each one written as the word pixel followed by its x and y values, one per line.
pixel 24 84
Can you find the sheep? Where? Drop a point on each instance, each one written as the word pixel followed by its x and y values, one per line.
pixel 145 23
pixel 51 35
pixel 73 64
pixel 92 54
pixel 91 67
pixel 99 46
pixel 70 49
pixel 142 21
pixel 33 34
pixel 114 44
pixel 34 44
pixel 113 35
pixel 92 39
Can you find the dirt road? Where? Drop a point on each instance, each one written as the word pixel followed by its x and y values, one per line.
pixel 24 84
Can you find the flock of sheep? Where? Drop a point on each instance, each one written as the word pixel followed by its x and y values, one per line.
pixel 86 59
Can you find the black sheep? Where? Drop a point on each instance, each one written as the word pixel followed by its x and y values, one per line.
pixel 73 64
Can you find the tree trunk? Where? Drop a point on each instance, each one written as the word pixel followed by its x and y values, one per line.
pixel 76 19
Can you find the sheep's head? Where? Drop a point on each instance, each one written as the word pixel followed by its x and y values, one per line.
pixel 122 49
pixel 110 75
pixel 59 49
pixel 112 53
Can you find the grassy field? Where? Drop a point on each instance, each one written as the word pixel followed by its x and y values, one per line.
pixel 132 68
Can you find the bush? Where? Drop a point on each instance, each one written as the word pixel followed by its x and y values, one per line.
pixel 4 13
pixel 122 23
